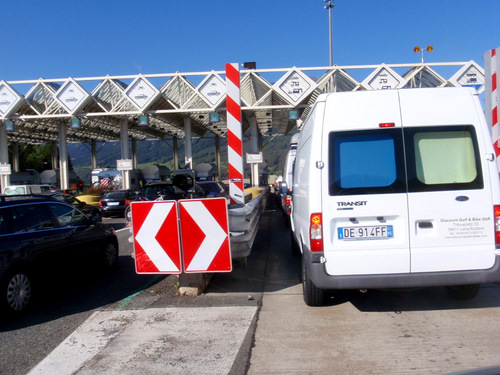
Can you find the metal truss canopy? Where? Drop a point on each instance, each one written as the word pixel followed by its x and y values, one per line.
pixel 267 95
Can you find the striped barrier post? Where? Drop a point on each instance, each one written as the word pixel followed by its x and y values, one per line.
pixel 495 131
pixel 234 134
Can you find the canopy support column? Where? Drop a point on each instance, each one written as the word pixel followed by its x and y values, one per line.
pixel 54 153
pixel 175 144
pixel 188 150
pixel 217 157
pixel 124 152
pixel 93 152
pixel 63 156
pixel 254 149
pixel 15 157
pixel 4 155
pixel 134 153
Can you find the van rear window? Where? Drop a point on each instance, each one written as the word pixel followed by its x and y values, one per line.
pixel 373 162
pixel 366 162
pixel 443 158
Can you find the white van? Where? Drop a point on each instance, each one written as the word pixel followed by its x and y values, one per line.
pixel 28 189
pixel 396 188
pixel 288 177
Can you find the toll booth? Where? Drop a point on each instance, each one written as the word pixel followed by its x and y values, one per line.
pixel 155 173
pixel 205 172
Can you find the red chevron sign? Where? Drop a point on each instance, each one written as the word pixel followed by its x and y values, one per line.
pixel 205 235
pixel 156 237
pixel 202 243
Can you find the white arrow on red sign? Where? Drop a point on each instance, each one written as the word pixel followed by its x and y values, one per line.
pixel 205 235
pixel 156 237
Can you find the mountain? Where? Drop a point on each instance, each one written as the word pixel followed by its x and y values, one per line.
pixel 161 152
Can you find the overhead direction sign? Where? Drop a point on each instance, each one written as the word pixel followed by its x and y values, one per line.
pixel 72 96
pixel 213 90
pixel 141 93
pixel 156 237
pixel 205 235
pixel 294 86
pixel 383 78
pixel 9 100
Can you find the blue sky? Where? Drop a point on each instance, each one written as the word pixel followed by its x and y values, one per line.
pixel 56 39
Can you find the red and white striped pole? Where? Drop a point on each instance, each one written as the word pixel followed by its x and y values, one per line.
pixel 495 131
pixel 234 134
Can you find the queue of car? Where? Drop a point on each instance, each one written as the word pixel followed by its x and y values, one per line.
pixel 43 228
pixel 41 234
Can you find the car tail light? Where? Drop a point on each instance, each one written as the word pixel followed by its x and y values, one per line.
pixel 100 203
pixel 316 232
pixel 127 202
pixel 497 224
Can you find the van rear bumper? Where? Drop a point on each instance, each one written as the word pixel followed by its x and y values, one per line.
pixel 316 271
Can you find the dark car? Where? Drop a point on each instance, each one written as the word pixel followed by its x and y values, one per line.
pixel 115 202
pixel 40 236
pixel 169 191
pixel 214 188
pixel 87 209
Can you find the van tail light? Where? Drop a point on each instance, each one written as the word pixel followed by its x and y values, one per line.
pixel 497 224
pixel 316 232
pixel 288 203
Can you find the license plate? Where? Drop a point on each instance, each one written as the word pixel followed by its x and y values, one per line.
pixel 365 232
pixel 113 203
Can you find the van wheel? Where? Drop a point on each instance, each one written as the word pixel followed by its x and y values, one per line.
pixel 295 246
pixel 313 296
pixel 463 292
pixel 16 289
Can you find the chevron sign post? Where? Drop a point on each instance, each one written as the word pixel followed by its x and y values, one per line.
pixel 201 245
pixel 234 134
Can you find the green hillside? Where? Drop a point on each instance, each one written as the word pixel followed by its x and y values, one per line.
pixel 160 152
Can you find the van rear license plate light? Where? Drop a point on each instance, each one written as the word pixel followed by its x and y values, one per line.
pixel 365 232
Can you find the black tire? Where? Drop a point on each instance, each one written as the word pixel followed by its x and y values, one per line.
pixel 295 246
pixel 463 292
pixel 17 291
pixel 110 253
pixel 128 214
pixel 313 296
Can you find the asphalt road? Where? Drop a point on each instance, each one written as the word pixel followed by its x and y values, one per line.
pixel 250 321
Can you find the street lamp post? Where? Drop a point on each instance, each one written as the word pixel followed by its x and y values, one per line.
pixel 329 5
pixel 417 49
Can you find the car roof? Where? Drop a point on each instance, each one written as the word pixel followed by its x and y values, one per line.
pixel 11 200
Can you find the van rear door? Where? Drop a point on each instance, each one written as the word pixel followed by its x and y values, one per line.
pixel 450 200
pixel 364 198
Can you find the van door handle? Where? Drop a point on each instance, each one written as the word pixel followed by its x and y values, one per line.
pixel 425 224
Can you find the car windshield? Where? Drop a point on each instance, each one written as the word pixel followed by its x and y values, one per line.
pixel 209 187
pixel 14 190
pixel 115 195
pixel 152 192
